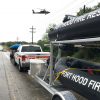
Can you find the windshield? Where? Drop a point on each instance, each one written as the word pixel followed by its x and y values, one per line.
pixel 30 49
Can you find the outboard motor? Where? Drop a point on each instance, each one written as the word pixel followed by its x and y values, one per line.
pixel 68 17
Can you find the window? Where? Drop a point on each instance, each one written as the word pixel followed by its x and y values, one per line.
pixel 30 49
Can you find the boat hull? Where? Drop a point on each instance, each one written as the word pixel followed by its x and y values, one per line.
pixel 84 83
pixel 85 26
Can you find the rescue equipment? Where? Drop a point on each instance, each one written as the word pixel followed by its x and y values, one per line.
pixel 84 26
pixel 79 75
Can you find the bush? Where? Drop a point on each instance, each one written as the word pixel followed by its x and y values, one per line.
pixel 80 54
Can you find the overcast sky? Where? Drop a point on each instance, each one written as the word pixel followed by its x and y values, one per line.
pixel 16 17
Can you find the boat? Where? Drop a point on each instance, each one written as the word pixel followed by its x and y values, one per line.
pixel 15 46
pixel 13 49
pixel 84 26
pixel 79 75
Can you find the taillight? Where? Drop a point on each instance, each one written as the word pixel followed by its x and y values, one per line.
pixel 24 57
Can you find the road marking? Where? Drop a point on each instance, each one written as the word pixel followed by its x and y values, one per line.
pixel 6 56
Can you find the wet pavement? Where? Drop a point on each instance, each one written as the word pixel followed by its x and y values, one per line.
pixel 17 85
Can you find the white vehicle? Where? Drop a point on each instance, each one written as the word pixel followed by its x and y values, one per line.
pixel 26 52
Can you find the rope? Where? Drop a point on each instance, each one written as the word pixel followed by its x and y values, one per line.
pixel 59 73
pixel 69 57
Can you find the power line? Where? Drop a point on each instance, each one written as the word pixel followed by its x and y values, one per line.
pixel 68 11
pixel 75 9
pixel 72 10
pixel 58 11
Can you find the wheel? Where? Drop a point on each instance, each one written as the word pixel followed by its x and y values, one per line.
pixel 20 68
pixel 57 98
pixel 15 62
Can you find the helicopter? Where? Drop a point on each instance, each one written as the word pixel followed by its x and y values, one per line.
pixel 43 11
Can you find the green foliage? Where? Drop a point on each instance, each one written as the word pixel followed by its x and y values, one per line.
pixel 80 54
pixel 3 43
pixel 88 9
pixel 50 26
pixel 55 51
pixel 90 54
pixel 10 43
pixel 86 53
pixel 96 7
pixel 44 48
pixel 45 40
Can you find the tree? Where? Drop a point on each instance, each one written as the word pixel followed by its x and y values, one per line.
pixel 45 39
pixel 88 9
pixel 3 43
pixel 88 52
pixel 96 7
pixel 50 26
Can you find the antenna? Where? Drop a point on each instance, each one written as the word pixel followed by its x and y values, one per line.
pixel 84 9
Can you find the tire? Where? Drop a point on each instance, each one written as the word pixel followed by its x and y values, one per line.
pixel 15 62
pixel 20 68
pixel 57 98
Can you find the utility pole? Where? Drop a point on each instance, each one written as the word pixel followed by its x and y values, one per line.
pixel 17 39
pixel 32 33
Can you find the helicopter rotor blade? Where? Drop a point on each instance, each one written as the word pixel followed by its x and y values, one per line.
pixel 40 9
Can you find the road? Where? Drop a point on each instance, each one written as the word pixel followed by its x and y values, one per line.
pixel 15 85
pixel 1 47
